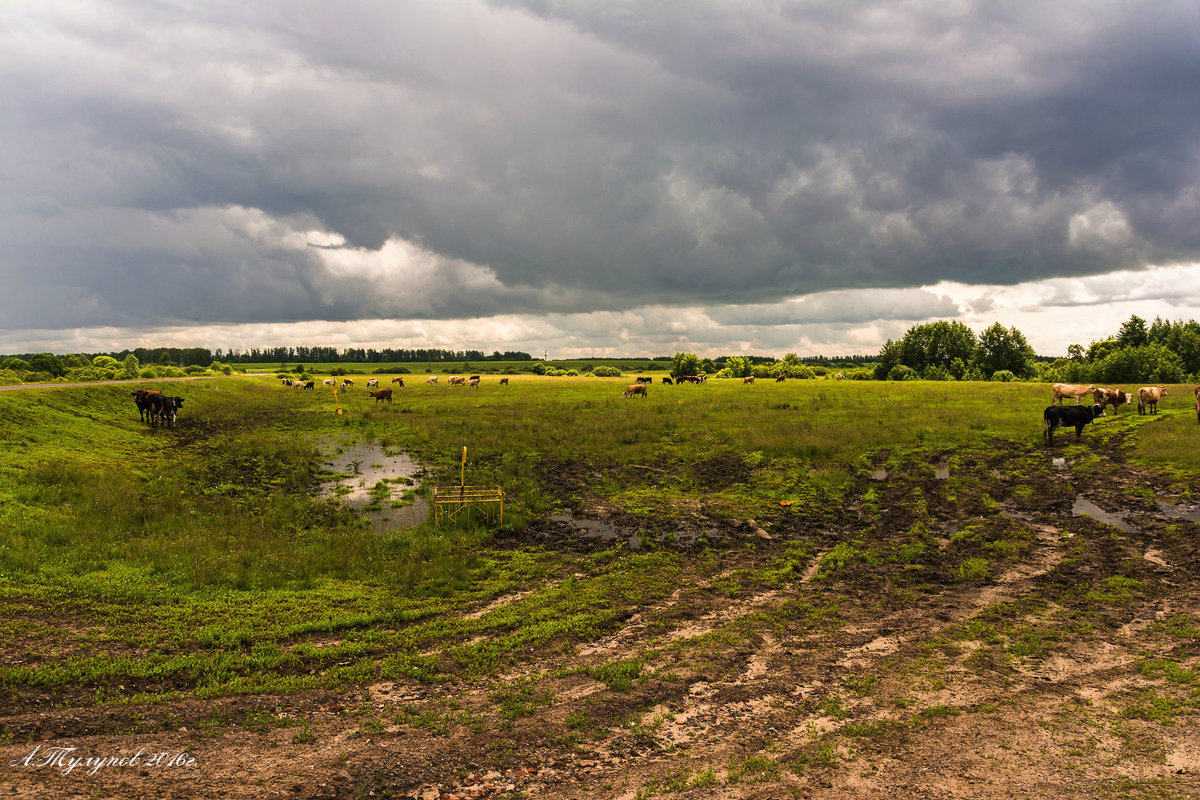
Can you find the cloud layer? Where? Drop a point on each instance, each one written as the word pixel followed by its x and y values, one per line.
pixel 228 163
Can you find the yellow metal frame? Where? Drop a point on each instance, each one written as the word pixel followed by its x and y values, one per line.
pixel 449 502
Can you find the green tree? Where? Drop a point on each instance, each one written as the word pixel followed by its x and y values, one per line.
pixel 46 362
pixel 738 366
pixel 1098 350
pixel 685 364
pixel 1003 348
pixel 129 367
pixel 1075 352
pixel 889 357
pixel 1133 332
pixel 14 363
pixel 936 344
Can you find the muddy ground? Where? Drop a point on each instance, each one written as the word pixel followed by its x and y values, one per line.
pixel 960 630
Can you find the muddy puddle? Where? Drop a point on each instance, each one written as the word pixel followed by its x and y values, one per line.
pixel 599 531
pixel 1085 507
pixel 379 484
pixel 879 475
pixel 1187 513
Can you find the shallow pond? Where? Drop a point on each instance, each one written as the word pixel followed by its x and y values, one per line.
pixel 380 485
pixel 1085 507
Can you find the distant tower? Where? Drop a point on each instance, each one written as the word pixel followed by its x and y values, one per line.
pixel 545 355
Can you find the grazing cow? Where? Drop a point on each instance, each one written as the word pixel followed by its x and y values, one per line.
pixel 457 380
pixel 504 381
pixel 1113 397
pixel 144 400
pixel 1058 416
pixel 667 380
pixel 310 384
pixel 431 379
pixel 473 378
pixel 1076 390
pixel 347 382
pixel 838 377
pixel 473 383
pixel 373 382
pixel 634 389
pixel 747 379
pixel 286 381
pixel 1148 397
pixel 646 381
pixel 329 382
pixel 399 381
pixel 779 378
pixel 382 394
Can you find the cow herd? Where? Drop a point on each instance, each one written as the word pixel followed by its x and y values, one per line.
pixel 1079 415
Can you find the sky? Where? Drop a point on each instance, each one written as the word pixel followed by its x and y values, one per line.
pixel 593 178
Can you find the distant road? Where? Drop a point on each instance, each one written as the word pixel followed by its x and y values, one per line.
pixel 121 383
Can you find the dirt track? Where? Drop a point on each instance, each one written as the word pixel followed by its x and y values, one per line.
pixel 1068 671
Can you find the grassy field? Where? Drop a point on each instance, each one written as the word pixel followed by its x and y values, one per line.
pixel 906 551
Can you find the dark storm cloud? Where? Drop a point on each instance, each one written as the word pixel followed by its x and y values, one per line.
pixel 174 162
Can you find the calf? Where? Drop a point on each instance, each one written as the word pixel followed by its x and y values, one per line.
pixel 1075 390
pixel 634 389
pixel 143 398
pixel 382 394
pixel 1058 416
pixel 1148 397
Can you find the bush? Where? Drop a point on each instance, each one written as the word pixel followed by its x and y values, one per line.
pixel 937 373
pixel 572 373
pixel 105 362
pixel 607 372
pixel 901 372
pixel 1003 375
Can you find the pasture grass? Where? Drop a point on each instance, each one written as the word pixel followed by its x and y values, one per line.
pixel 141 564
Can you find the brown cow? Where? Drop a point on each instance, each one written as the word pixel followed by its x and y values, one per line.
pixel 399 381
pixel 431 379
pixel 748 379
pixel 146 399
pixel 779 378
pixel 457 380
pixel 636 389
pixel 1148 397
pixel 473 383
pixel 382 394
pixel 1076 390
pixel 1112 397
pixel 504 381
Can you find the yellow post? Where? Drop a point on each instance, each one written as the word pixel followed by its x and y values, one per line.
pixel 335 400
pixel 462 486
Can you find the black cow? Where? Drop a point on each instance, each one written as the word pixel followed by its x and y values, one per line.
pixel 145 403
pixel 1063 416
pixel 162 409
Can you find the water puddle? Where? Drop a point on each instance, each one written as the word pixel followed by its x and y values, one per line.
pixel 600 530
pixel 378 484
pixel 879 475
pixel 942 474
pixel 1058 463
pixel 1085 507
pixel 1180 511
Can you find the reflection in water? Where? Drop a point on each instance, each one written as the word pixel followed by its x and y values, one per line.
pixel 1083 507
pixel 374 483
